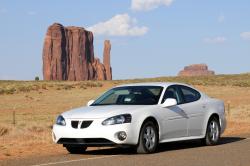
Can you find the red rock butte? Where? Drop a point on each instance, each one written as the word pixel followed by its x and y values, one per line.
pixel 196 70
pixel 68 54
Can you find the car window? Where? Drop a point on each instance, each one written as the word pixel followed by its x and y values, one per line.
pixel 172 92
pixel 130 95
pixel 189 94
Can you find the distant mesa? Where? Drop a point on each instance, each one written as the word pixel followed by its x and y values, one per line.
pixel 196 70
pixel 68 54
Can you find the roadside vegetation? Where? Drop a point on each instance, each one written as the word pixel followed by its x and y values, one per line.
pixel 12 87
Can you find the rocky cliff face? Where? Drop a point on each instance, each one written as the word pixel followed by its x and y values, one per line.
pixel 106 59
pixel 196 70
pixel 68 54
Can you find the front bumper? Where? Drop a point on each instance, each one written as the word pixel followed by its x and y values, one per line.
pixel 86 141
pixel 94 135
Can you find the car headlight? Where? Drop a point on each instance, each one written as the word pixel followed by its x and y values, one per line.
pixel 119 119
pixel 60 120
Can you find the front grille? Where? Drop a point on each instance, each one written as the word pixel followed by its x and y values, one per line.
pixel 85 141
pixel 85 124
pixel 74 124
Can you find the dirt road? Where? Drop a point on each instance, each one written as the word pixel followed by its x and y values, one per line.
pixel 232 151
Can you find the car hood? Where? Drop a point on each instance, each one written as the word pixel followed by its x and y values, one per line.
pixel 97 112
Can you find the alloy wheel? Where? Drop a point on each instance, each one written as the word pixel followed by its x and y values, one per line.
pixel 149 137
pixel 214 131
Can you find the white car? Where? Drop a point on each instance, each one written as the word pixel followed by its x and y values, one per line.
pixel 142 115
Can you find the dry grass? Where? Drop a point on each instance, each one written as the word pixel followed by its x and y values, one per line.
pixel 37 103
pixel 14 87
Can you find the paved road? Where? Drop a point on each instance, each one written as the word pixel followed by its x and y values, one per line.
pixel 232 151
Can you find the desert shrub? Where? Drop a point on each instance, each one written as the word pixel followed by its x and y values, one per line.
pixel 24 88
pixel 241 84
pixel 93 84
pixel 98 84
pixel 35 87
pixel 36 129
pixel 10 91
pixel 44 86
pixel 36 78
pixel 1 91
pixel 51 85
pixel 7 154
pixel 116 83
pixel 3 131
pixel 89 84
pixel 67 87
pixel 82 86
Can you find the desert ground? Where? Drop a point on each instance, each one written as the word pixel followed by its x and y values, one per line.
pixel 28 109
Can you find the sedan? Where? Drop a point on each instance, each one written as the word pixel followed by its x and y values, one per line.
pixel 142 116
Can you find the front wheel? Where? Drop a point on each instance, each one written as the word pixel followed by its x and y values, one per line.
pixel 148 139
pixel 75 149
pixel 213 132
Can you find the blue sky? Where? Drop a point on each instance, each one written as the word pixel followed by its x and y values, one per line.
pixel 155 38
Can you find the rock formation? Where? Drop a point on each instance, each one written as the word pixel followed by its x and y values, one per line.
pixel 196 70
pixel 106 59
pixel 68 54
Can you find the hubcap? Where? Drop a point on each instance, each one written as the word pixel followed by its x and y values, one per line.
pixel 214 131
pixel 149 137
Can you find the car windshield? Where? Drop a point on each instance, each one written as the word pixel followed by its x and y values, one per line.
pixel 130 95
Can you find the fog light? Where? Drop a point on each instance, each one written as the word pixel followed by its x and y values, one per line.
pixel 121 135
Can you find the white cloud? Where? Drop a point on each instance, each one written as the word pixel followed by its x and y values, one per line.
pixel 245 35
pixel 145 5
pixel 221 18
pixel 119 25
pixel 215 40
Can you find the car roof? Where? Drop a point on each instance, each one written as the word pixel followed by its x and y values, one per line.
pixel 163 84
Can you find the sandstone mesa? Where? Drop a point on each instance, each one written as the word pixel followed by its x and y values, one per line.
pixel 68 54
pixel 196 70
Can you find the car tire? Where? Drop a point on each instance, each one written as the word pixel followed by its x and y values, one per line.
pixel 212 133
pixel 148 139
pixel 75 149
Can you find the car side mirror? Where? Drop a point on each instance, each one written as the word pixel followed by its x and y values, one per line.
pixel 169 102
pixel 90 102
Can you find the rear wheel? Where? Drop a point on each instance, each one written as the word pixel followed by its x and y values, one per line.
pixel 75 149
pixel 213 132
pixel 148 139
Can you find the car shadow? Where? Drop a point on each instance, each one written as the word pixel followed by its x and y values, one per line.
pixel 164 147
pixel 171 146
pixel 227 140
pixel 112 151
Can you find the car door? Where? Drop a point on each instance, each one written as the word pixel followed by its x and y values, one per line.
pixel 194 108
pixel 175 119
